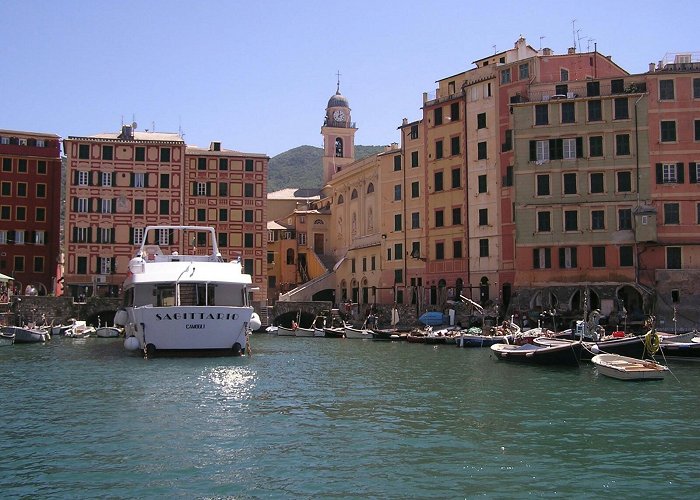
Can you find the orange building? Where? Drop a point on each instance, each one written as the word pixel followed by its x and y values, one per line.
pixel 30 211
pixel 670 262
pixel 119 183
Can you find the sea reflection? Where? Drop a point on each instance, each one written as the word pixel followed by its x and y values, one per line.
pixel 233 382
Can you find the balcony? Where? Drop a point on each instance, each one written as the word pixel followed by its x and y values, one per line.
pixel 580 90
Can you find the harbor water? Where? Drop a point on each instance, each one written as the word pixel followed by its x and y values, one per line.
pixel 337 418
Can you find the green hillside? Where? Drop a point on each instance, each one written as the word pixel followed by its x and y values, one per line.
pixel 301 167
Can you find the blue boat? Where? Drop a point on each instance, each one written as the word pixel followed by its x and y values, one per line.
pixel 433 318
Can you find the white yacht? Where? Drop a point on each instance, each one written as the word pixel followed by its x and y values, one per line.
pixel 185 303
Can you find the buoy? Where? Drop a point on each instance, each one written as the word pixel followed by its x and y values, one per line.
pixel 254 322
pixel 131 343
pixel 236 349
pixel 121 317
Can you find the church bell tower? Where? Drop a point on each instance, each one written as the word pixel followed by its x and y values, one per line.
pixel 338 132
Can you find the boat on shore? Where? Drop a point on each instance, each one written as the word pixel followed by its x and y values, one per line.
pixel 186 303
pixel 627 368
pixel 334 332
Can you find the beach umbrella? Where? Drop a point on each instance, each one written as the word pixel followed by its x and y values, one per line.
pixel 5 278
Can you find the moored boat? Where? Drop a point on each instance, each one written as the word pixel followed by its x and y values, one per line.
pixel 107 332
pixel 304 332
pixel 334 332
pixel 565 354
pixel 7 338
pixel 25 335
pixel 186 303
pixel 627 368
pixel 283 331
pixel 357 333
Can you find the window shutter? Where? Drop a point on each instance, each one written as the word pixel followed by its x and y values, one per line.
pixel 693 172
pixel 97 266
pixel 75 235
pixel 75 178
pixel 562 257
pixel 547 258
pixel 535 258
pixel 579 147
pixel 131 236
pixel 573 257
pixel 209 188
pixel 680 173
pixel 114 205
pixel 89 235
pixel 113 267
pixel 99 236
pixel 659 174
pixel 145 179
pixel 112 236
pixel 193 189
pixel 75 204
pixel 533 150
pixel 131 179
pixel 89 178
pixel 114 179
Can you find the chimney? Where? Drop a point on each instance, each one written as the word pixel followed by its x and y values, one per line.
pixel 127 133
pixel 572 50
pixel 215 146
pixel 652 67
pixel 547 51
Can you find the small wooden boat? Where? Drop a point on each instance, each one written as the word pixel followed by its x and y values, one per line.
pixel 565 354
pixel 304 332
pixel 334 332
pixel 626 368
pixel 681 350
pixel 9 338
pixel 283 331
pixel 632 346
pixel 108 332
pixel 357 333
pixel 24 335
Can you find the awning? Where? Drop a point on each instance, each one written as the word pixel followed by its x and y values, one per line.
pixel 5 278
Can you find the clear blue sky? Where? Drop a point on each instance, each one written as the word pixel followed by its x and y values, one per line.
pixel 257 74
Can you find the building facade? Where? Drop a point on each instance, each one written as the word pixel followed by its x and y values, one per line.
pixel 30 211
pixel 119 183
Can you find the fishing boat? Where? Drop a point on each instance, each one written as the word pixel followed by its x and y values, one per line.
pixel 334 332
pixel 357 333
pixel 682 350
pixel 26 335
pixel 626 368
pixel 565 354
pixel 284 331
pixel 79 329
pixel 304 332
pixel 108 332
pixel 195 303
pixel 7 338
pixel 631 345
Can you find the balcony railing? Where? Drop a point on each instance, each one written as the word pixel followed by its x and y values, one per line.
pixel 582 90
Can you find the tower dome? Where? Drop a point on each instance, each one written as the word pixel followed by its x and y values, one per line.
pixel 338 100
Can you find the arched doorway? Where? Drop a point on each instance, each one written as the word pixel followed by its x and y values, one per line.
pixel 632 302
pixel 484 290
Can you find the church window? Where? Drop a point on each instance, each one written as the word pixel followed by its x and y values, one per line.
pixel 338 147
pixel 353 195
pixel 340 199
pixel 370 188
